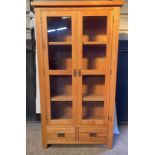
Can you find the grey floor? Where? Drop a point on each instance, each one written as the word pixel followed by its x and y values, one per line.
pixel 34 147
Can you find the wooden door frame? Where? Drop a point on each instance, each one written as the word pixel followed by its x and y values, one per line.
pixel 109 13
pixel 44 15
pixel 41 76
pixel 114 58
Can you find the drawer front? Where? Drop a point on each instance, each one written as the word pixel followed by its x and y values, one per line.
pixel 94 134
pixel 61 134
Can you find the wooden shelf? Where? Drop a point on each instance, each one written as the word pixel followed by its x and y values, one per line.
pixel 59 43
pixel 60 72
pixel 61 119
pixel 93 72
pixel 65 117
pixel 93 97
pixel 95 43
pixel 85 98
pixel 61 98
pixel 93 118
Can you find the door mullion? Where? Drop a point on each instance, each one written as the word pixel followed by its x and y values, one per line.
pixel 74 66
pixel 79 65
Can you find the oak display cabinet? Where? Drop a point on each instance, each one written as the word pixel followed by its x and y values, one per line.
pixel 77 43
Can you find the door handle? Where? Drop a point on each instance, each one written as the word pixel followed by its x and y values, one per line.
pixel 60 134
pixel 75 73
pixel 79 72
pixel 92 134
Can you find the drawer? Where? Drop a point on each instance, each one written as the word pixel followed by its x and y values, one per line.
pixel 61 134
pixel 96 134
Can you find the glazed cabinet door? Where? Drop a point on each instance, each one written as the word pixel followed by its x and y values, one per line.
pixel 94 54
pixel 59 52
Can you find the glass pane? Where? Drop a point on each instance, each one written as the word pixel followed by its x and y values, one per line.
pixel 93 87
pixel 61 86
pixel 61 110
pixel 60 57
pixel 59 29
pixel 93 110
pixel 93 97
pixel 94 56
pixel 94 28
pixel 61 97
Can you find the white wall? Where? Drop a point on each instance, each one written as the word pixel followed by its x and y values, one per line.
pixel 124 22
pixel 28 33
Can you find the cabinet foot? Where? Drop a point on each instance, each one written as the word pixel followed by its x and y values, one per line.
pixel 110 145
pixel 44 146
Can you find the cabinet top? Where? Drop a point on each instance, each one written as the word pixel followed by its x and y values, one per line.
pixel 57 3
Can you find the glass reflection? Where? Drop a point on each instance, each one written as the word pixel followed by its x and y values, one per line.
pixel 59 29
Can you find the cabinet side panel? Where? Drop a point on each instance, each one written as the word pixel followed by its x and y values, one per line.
pixel 41 75
pixel 113 75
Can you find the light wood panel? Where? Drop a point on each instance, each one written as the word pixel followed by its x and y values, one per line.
pixel 60 72
pixel 114 58
pixel 61 134
pixel 93 134
pixel 78 8
pixel 61 98
pixel 41 77
pixel 77 142
pixel 93 97
pixel 77 3
pixel 95 42
pixel 81 131
pixel 59 43
pixel 93 72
